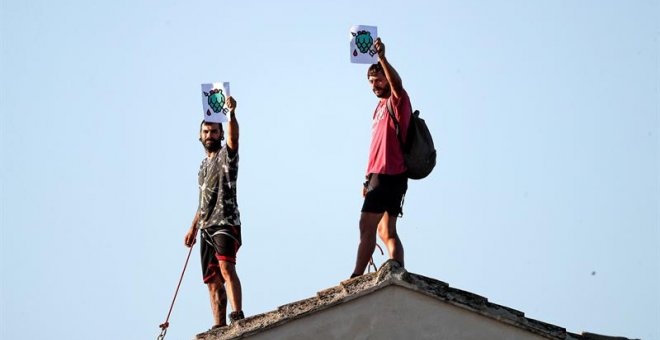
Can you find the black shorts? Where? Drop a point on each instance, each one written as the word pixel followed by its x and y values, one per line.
pixel 385 193
pixel 218 244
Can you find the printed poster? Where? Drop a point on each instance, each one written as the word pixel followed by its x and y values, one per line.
pixel 362 40
pixel 214 100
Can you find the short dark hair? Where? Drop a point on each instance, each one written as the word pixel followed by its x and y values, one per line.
pixel 374 69
pixel 205 122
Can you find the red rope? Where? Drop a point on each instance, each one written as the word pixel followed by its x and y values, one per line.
pixel 166 324
pixel 371 260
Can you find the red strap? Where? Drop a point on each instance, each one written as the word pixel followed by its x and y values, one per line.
pixel 166 324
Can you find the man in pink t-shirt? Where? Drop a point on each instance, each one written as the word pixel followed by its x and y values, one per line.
pixel 386 171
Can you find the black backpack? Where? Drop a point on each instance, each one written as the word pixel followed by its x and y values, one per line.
pixel 418 150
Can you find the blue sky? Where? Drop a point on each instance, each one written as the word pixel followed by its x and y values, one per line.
pixel 545 198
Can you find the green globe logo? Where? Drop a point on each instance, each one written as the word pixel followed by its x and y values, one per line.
pixel 216 100
pixel 363 40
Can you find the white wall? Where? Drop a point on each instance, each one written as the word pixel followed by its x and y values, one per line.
pixel 395 312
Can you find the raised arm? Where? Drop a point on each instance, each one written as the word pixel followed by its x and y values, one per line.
pixel 232 125
pixel 390 73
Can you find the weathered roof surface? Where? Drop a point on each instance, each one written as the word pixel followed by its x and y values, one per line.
pixel 594 336
pixel 391 273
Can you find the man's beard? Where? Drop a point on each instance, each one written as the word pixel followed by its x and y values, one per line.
pixel 385 92
pixel 214 146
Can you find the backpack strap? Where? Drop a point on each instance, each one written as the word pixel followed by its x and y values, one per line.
pixel 396 122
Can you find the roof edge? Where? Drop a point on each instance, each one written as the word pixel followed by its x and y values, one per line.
pixel 392 273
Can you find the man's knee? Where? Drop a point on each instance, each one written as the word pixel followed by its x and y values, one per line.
pixel 215 284
pixel 369 223
pixel 387 227
pixel 228 270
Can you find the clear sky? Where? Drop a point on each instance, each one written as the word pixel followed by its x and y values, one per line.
pixel 545 198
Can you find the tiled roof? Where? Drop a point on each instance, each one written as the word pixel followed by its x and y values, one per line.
pixel 391 273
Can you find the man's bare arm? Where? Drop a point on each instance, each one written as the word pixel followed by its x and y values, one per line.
pixel 390 73
pixel 232 126
pixel 190 238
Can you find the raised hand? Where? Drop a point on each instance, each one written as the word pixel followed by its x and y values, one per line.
pixel 231 104
pixel 380 48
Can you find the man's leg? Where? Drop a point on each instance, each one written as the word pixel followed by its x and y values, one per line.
pixel 234 292
pixel 214 283
pixel 387 233
pixel 218 301
pixel 368 225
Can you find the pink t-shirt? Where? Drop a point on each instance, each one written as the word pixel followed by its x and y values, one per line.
pixel 385 155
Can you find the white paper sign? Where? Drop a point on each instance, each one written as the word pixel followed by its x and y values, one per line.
pixel 214 102
pixel 362 41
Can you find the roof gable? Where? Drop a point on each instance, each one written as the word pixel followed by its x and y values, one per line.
pixel 392 276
